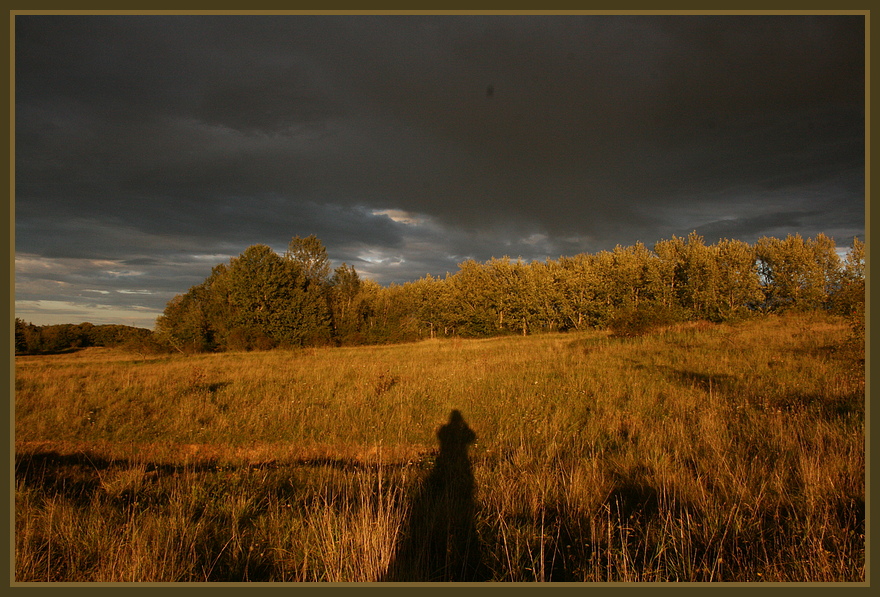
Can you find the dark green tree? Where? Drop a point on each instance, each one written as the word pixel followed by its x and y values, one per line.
pixel 184 325
pixel 348 305
pixel 259 300
pixel 24 336
pixel 311 257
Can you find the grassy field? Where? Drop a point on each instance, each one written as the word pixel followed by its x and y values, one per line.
pixel 703 452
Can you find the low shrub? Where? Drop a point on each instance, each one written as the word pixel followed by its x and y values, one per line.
pixel 643 319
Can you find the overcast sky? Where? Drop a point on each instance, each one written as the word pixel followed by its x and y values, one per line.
pixel 150 148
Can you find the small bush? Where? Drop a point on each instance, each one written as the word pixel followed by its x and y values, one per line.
pixel 643 319
pixel 850 302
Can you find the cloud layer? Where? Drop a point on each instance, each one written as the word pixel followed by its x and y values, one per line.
pixel 158 146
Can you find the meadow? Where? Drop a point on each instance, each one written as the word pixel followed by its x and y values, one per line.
pixel 700 452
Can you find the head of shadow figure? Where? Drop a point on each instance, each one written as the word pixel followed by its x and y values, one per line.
pixel 438 541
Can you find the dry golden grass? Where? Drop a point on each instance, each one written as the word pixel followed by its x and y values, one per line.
pixel 698 453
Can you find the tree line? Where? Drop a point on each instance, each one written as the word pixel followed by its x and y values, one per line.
pixel 262 300
pixel 48 339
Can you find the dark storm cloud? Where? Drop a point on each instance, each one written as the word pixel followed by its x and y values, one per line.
pixel 407 144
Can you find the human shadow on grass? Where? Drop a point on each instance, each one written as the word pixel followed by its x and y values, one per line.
pixel 439 541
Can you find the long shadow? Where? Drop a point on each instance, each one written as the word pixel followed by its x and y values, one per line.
pixel 78 476
pixel 439 541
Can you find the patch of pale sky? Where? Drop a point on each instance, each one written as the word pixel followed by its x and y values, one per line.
pixel 59 312
pixel 400 216
pixel 377 256
pixel 212 258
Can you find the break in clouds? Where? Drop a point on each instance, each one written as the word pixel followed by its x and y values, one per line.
pixel 150 148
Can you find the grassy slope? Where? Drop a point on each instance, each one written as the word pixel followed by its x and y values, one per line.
pixel 732 452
